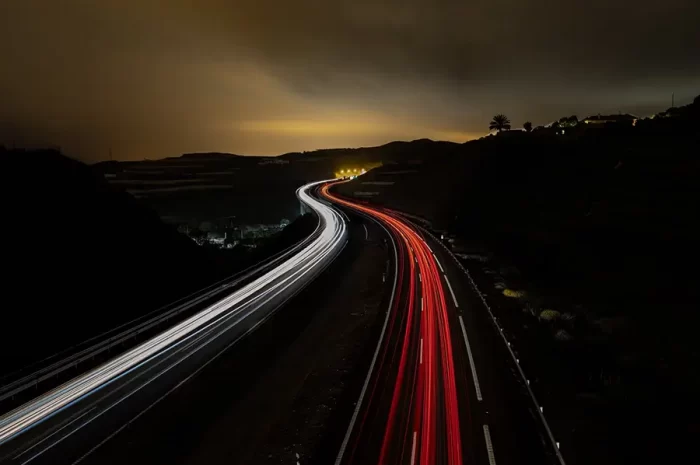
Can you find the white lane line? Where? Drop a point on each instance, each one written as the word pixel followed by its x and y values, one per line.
pixel 451 291
pixel 421 304
pixel 471 360
pixel 489 445
pixel 419 278
pixel 438 263
pixel 413 449
pixel 421 351
pixel 366 232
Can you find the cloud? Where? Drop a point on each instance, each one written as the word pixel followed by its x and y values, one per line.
pixel 152 78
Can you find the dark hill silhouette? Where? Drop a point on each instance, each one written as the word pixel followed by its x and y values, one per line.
pixel 397 151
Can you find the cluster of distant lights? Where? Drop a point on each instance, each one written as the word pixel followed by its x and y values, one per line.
pixel 352 172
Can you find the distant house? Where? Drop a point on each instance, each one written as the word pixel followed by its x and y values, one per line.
pixel 622 118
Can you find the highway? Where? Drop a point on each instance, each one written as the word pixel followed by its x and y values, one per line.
pixel 70 422
pixel 441 387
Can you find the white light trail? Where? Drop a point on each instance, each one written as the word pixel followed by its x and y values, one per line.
pixel 245 301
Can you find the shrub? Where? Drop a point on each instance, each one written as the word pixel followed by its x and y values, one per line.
pixel 549 315
pixel 513 293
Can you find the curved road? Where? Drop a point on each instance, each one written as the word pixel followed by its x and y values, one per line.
pixel 68 423
pixel 440 388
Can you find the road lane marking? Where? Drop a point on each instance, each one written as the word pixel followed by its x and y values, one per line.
pixel 489 445
pixel 421 351
pixel 413 449
pixel 366 232
pixel 421 304
pixel 419 278
pixel 451 291
pixel 471 360
pixel 438 263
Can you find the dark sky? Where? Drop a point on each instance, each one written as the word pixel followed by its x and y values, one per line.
pixel 155 78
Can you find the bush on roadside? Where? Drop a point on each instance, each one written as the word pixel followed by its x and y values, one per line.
pixel 513 293
pixel 549 315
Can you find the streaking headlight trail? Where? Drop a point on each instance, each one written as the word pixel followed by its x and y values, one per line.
pixel 257 300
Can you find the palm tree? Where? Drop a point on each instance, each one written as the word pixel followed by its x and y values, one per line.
pixel 499 123
pixel 527 126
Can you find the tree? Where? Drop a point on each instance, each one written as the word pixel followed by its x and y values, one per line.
pixel 499 123
pixel 527 126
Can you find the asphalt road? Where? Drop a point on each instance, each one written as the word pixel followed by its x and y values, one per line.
pixel 442 387
pixel 73 421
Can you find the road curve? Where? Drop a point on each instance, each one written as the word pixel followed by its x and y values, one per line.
pixel 30 432
pixel 442 387
pixel 409 412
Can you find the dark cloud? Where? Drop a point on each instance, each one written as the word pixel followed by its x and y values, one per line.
pixel 155 78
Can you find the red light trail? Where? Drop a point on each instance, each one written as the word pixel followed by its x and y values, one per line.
pixel 422 424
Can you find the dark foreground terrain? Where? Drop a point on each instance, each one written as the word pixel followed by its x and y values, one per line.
pixel 586 247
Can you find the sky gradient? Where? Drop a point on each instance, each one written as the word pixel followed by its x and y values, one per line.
pixel 149 79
